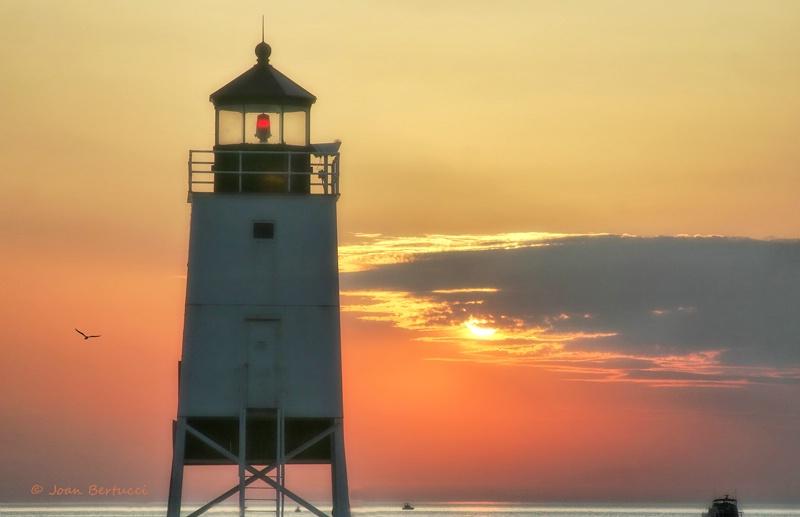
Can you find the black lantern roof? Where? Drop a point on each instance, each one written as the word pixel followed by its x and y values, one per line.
pixel 262 84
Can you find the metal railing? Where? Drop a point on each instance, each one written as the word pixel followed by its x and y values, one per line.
pixel 305 172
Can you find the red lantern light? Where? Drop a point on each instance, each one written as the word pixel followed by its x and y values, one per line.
pixel 263 131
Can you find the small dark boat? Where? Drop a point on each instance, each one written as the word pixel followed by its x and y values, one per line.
pixel 407 507
pixel 724 507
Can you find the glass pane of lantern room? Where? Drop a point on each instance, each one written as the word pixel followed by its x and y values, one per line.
pixel 294 128
pixel 229 126
pixel 264 132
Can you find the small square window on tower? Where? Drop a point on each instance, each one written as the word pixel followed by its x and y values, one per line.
pixel 263 230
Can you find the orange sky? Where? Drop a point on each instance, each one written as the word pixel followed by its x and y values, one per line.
pixel 464 124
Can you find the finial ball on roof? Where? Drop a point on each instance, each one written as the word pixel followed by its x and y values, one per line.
pixel 263 50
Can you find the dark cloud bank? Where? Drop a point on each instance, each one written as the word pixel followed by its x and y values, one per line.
pixel 671 294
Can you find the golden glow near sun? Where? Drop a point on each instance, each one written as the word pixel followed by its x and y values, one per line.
pixel 475 327
pixel 503 339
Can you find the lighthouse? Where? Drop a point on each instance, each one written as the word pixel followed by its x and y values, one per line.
pixel 260 382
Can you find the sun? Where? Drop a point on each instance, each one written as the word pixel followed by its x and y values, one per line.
pixel 473 325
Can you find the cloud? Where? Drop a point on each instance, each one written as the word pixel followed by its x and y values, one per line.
pixel 380 250
pixel 662 311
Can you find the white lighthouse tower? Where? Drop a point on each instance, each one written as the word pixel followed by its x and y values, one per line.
pixel 260 375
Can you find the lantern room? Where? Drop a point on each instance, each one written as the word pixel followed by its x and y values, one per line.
pixel 262 134
pixel 262 107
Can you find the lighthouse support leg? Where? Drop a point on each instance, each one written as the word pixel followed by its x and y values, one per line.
pixel 176 477
pixel 340 493
pixel 242 460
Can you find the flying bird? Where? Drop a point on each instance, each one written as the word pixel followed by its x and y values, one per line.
pixel 84 335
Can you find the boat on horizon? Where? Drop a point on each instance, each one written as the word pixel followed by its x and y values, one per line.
pixel 723 507
pixel 407 507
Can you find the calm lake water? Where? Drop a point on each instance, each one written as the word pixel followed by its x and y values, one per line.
pixel 421 510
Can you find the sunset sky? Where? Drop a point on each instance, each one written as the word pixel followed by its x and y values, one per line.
pixel 569 240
